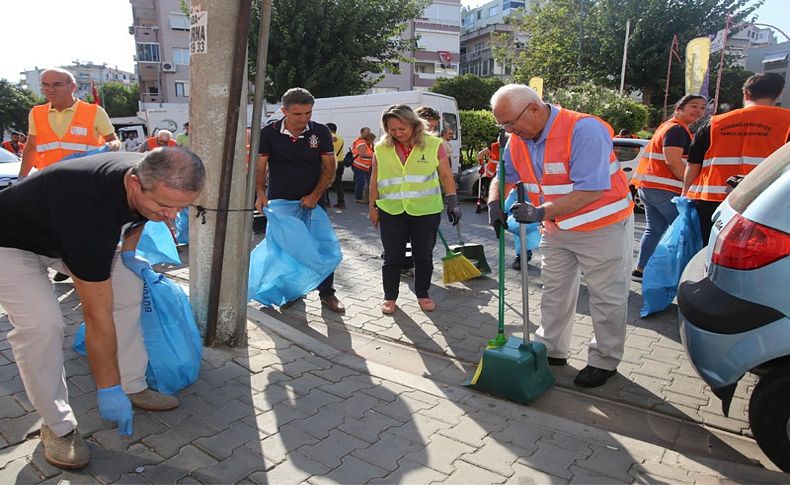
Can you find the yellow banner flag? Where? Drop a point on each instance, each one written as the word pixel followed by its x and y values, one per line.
pixel 697 56
pixel 536 83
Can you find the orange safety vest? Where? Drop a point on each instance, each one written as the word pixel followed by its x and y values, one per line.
pixel 653 171
pixel 493 160
pixel 362 163
pixel 9 145
pixel 739 141
pixel 614 205
pixel 80 136
pixel 153 143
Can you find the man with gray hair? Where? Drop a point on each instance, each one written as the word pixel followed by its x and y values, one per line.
pixel 70 217
pixel 297 161
pixel 576 189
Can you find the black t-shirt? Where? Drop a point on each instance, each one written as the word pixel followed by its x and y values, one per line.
pixel 678 137
pixel 73 210
pixel 294 163
pixel 700 144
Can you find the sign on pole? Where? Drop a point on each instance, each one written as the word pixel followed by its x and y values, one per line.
pixel 198 31
pixel 536 83
pixel 697 57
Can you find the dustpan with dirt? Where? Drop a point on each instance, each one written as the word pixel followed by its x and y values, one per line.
pixel 473 252
pixel 513 368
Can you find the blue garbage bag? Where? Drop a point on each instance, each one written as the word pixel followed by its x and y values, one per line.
pixel 182 226
pixel 171 336
pixel 299 251
pixel 533 229
pixel 157 245
pixel 93 151
pixel 681 241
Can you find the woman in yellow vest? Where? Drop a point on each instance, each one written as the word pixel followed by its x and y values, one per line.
pixel 406 200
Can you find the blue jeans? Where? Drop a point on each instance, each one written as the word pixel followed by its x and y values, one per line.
pixel 659 214
pixel 361 178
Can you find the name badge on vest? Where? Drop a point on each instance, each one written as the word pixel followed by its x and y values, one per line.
pixel 79 131
pixel 555 168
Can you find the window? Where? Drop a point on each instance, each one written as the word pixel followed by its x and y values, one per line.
pixel 182 89
pixel 425 68
pixel 469 20
pixel 147 52
pixel 181 56
pixel 449 120
pixel 492 11
pixel 179 21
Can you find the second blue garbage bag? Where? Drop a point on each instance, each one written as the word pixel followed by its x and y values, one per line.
pixel 677 246
pixel 299 251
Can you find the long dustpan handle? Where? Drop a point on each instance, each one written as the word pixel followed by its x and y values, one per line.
pixel 458 232
pixel 501 329
pixel 522 233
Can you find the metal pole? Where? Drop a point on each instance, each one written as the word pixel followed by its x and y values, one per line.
pixel 255 136
pixel 669 72
pixel 721 65
pixel 625 54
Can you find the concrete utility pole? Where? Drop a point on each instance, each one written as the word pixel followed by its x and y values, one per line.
pixel 214 32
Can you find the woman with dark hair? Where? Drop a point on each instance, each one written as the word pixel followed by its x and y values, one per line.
pixel 659 176
pixel 406 200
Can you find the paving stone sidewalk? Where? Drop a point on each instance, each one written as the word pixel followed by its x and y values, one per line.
pixel 291 409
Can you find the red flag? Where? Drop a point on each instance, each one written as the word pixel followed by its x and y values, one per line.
pixel 96 98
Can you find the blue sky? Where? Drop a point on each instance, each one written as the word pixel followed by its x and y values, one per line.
pixel 107 38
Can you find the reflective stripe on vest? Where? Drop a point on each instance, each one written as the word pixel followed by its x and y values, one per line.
pixel 739 141
pixel 615 203
pixel 80 135
pixel 411 187
pixel 653 171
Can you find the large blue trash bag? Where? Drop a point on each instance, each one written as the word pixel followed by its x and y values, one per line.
pixel 93 151
pixel 171 336
pixel 681 241
pixel 157 245
pixel 182 226
pixel 299 251
pixel 533 229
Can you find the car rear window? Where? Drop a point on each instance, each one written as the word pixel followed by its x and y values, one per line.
pixel 625 153
pixel 761 177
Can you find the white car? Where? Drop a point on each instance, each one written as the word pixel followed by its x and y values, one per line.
pixel 628 152
pixel 9 168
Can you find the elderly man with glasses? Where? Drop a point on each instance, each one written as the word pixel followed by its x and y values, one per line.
pixel 576 189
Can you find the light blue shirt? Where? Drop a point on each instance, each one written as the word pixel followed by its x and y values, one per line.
pixel 591 148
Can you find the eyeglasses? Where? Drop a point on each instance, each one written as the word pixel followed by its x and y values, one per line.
pixel 510 124
pixel 55 85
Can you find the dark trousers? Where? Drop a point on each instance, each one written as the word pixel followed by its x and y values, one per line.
pixel 705 210
pixel 341 197
pixel 326 288
pixel 396 231
pixel 361 178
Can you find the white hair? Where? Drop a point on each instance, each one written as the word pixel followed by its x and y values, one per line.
pixel 62 72
pixel 519 93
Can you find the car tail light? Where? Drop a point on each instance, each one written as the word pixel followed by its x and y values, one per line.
pixel 745 245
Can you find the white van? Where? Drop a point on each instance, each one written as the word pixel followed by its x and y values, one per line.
pixel 350 113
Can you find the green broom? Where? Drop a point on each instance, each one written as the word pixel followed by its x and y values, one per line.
pixel 455 266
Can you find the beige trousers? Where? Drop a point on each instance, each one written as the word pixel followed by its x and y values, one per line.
pixel 604 256
pixel 27 294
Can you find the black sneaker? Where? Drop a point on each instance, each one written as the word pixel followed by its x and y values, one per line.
pixel 636 275
pixel 516 263
pixel 593 376
pixel 557 361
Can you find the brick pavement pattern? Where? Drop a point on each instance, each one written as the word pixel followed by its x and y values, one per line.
pixel 290 409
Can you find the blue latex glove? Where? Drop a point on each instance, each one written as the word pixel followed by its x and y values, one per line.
pixel 135 265
pixel 114 405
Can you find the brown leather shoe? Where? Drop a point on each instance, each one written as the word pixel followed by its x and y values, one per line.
pixel 69 451
pixel 151 400
pixel 333 304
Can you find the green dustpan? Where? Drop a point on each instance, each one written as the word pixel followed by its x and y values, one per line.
pixel 473 252
pixel 515 369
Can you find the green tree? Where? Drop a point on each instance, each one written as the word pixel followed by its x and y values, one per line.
pixel 558 28
pixel 334 48
pixel 17 101
pixel 731 91
pixel 619 111
pixel 479 131
pixel 119 99
pixel 470 91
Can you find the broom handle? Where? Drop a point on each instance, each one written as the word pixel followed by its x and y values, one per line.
pixel 444 241
pixel 522 233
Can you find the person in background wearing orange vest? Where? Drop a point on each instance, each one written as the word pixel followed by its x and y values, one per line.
pixel 578 191
pixel 14 145
pixel 164 138
pixel 363 159
pixel 659 175
pixel 65 125
pixel 733 144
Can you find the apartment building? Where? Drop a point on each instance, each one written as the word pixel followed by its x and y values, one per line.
pixel 772 58
pixel 161 34
pixel 438 49
pixel 86 73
